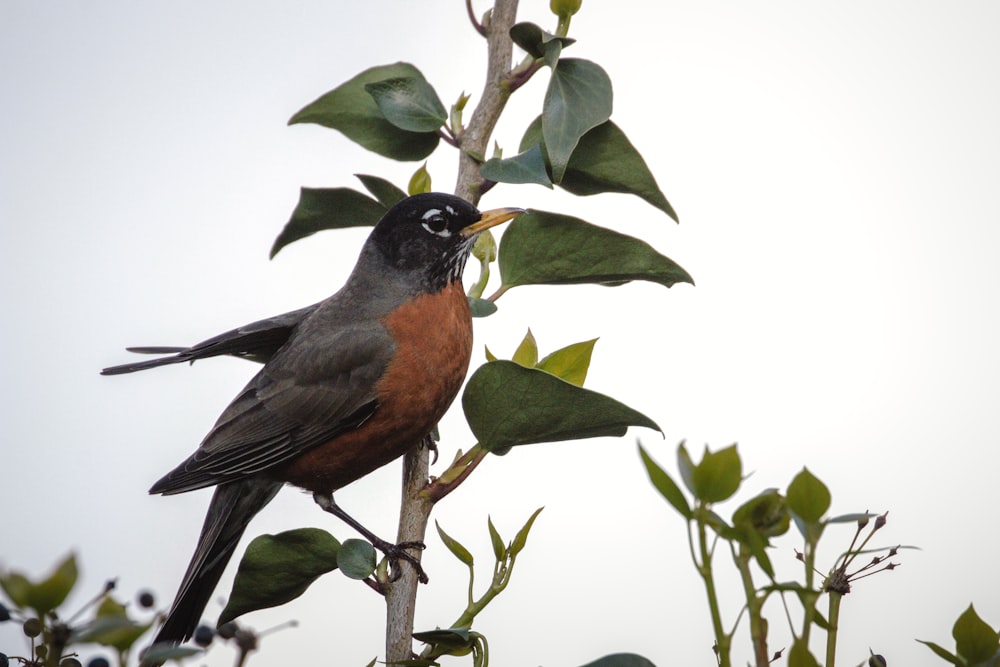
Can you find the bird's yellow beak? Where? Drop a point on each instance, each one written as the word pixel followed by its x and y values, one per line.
pixel 491 218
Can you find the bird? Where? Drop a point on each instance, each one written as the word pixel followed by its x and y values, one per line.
pixel 348 385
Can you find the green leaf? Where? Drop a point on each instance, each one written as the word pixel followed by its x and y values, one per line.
pixel 579 98
pixel 604 161
pixel 278 568
pixel 116 631
pixel 409 103
pixel 665 485
pixel 621 660
pixel 525 167
pixel 534 40
pixel 542 248
pixel 454 546
pixel 765 513
pixel 507 404
pixel 45 595
pixel 808 497
pixel 17 587
pixel 350 109
pixel 975 640
pixel 356 559
pixel 327 208
pixel 718 475
pixel 686 467
pixel 526 353
pixel 522 535
pixel 420 182
pixel 758 519
pixel 713 521
pixel 111 607
pixel 820 621
pixel 570 363
pixel 800 656
pixel 385 192
pixel 499 550
pixel 482 307
pixel 942 653
pixel 157 654
pixel 446 638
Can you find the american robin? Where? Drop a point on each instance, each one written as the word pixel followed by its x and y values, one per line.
pixel 348 385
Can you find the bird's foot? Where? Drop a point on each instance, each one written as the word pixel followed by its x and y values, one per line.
pixel 393 552
pixel 397 552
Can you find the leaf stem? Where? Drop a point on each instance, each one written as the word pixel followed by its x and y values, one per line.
pixel 472 18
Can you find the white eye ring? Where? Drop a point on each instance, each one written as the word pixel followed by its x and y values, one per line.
pixel 434 217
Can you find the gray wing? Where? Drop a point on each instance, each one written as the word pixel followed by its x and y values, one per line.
pixel 257 341
pixel 318 386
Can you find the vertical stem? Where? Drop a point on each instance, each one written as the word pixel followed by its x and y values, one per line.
pixel 415 509
pixel 705 569
pixel 758 626
pixel 496 91
pixel 809 613
pixel 401 595
pixel 831 636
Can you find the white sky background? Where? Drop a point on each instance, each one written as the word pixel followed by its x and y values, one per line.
pixel 834 167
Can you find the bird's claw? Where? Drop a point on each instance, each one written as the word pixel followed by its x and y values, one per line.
pixel 397 552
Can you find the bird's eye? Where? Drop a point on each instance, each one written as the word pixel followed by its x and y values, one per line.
pixel 436 223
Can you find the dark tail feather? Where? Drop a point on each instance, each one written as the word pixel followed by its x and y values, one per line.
pixel 233 505
pixel 150 363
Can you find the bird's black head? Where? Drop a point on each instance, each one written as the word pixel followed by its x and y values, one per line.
pixel 433 233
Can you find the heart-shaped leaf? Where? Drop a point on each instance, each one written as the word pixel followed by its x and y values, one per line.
pixel 808 497
pixel 975 640
pixel 409 103
pixel 534 40
pixel 278 568
pixel 350 109
pixel 717 476
pixel 604 161
pixel 526 167
pixel 507 404
pixel 579 98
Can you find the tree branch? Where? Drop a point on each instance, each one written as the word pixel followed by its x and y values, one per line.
pixel 415 509
pixel 496 91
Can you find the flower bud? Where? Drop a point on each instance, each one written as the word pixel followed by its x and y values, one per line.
pixel 563 8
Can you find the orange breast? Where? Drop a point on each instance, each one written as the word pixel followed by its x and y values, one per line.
pixel 433 334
